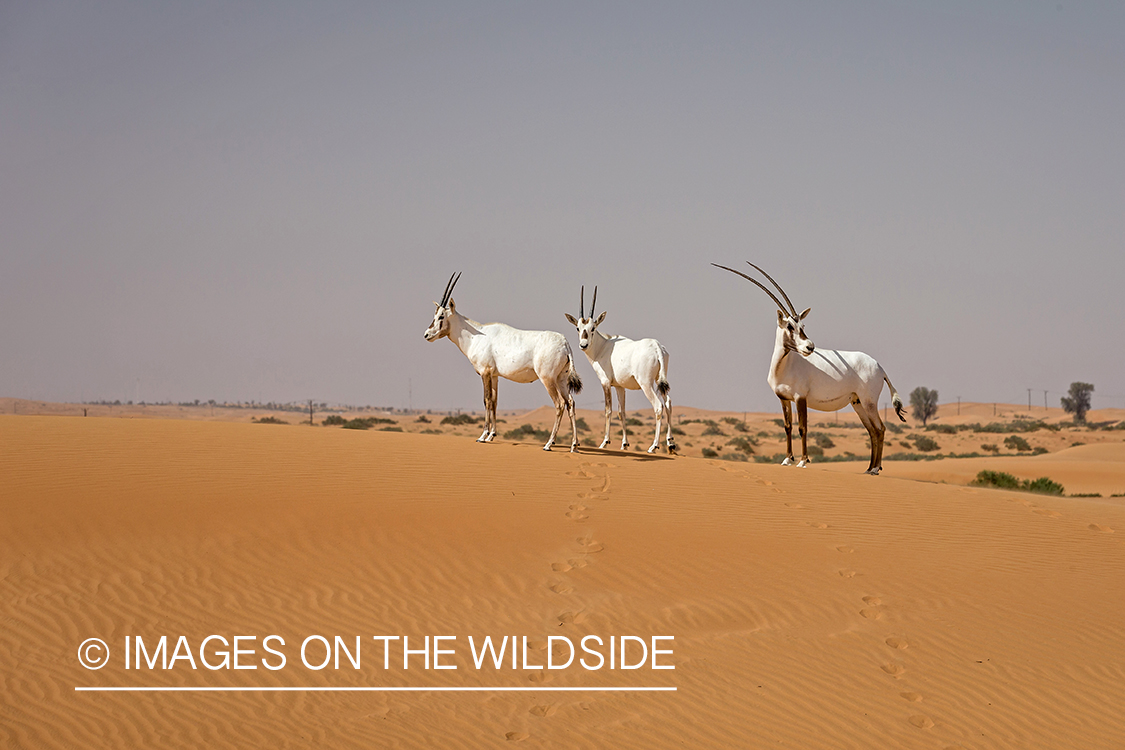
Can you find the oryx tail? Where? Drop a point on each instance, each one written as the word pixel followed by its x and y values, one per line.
pixel 896 400
pixel 573 382
pixel 662 386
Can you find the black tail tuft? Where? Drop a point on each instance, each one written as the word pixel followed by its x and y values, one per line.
pixel 573 381
pixel 898 407
pixel 662 388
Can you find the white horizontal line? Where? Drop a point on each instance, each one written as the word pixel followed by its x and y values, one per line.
pixel 370 689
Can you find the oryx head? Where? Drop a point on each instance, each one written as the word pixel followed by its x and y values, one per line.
pixel 586 326
pixel 445 309
pixel 790 323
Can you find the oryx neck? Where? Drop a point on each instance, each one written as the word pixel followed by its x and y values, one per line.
pixel 462 330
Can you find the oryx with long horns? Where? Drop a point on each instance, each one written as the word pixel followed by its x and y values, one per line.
pixel 622 363
pixel 500 351
pixel 822 379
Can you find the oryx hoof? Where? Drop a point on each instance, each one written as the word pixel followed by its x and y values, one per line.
pixel 604 443
pixel 788 461
pixel 574 447
pixel 547 447
pixel 624 446
pixel 803 463
pixel 874 471
pixel 490 438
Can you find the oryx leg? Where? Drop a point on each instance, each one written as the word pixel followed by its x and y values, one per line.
pixel 869 415
pixel 657 409
pixel 560 407
pixel 803 428
pixel 621 413
pixel 486 378
pixel 668 413
pixel 495 394
pixel 787 415
pixel 608 413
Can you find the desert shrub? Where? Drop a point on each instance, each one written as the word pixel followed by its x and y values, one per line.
pixel 678 431
pixel 525 431
pixel 1005 481
pixel 712 428
pixel 269 420
pixel 333 420
pixel 1085 494
pixel 737 424
pixel 743 443
pixel 895 428
pixel 634 422
pixel 1039 450
pixel 816 450
pixel 432 431
pixel 945 429
pixel 925 443
pixel 391 428
pixel 1016 443
pixel 709 453
pixel 990 447
pixel 422 419
pixel 763 434
pixel 590 442
pixel 1077 402
pixel 1076 444
pixel 460 419
pixel 734 457
pixel 823 441
pixel 356 424
pixel 581 423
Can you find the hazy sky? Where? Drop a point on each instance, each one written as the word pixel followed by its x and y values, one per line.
pixel 260 200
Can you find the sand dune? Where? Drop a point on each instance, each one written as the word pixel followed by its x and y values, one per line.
pixel 809 608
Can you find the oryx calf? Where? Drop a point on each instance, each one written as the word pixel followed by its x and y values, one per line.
pixel 500 351
pixel 622 363
pixel 824 379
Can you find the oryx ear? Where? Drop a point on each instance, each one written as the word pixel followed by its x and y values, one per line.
pixel 452 305
pixel 805 314
pixel 780 319
pixel 570 317
pixel 601 317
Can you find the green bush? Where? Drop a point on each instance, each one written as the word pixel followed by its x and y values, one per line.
pixel 709 453
pixel 1016 443
pixel 925 443
pixel 737 424
pixel 678 431
pixel 581 423
pixel 422 419
pixel 734 457
pixel 460 419
pixel 1039 450
pixel 816 450
pixel 823 441
pixel 634 422
pixel 432 431
pixel 945 429
pixel 525 431
pixel 1005 481
pixel 713 429
pixel 990 447
pixel 1085 494
pixel 270 420
pixel 743 443
pixel 391 428
pixel 333 420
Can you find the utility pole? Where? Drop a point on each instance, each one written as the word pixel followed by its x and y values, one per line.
pixel 1029 399
pixel 1045 407
pixel 410 393
pixel 958 406
pixel 310 413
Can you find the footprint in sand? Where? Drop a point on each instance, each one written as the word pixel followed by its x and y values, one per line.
pixel 516 736
pixel 578 562
pixel 845 573
pixel 580 473
pixel 598 465
pixel 1048 513
pixel 817 524
pixel 845 549
pixel 575 513
pixel 871 614
pixel 893 669
pixel 560 567
pixel 912 697
pixel 764 482
pixel 605 486
pixel 1099 527
pixel 592 496
pixel 872 600
pixel 562 588
pixel 539 675
pixel 922 722
pixel 794 505
pixel 589 546
pixel 896 642
pixel 543 711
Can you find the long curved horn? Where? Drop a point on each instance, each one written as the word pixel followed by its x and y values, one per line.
pixel 783 294
pixel 449 291
pixel 595 302
pixel 755 282
pixel 582 303
pixel 445 294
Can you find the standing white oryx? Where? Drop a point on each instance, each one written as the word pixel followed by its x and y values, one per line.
pixel 623 363
pixel 500 351
pixel 825 380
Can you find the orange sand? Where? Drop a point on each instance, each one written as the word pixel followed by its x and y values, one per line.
pixel 810 608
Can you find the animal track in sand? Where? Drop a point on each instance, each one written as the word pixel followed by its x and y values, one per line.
pixel 580 473
pixel 605 486
pixel 576 515
pixel 1099 527
pixel 539 675
pixel 845 573
pixel 872 600
pixel 543 711
pixel 598 465
pixel 1049 513
pixel 922 722
pixel 871 614
pixel 896 642
pixel 576 618
pixel 794 505
pixel 893 669
pixel 562 588
pixel 578 562
pixel 560 567
pixel 817 524
pixel 845 549
pixel 912 697
pixel 589 546
pixel 592 496
pixel 516 736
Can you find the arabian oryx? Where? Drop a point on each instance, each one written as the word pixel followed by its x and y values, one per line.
pixel 623 363
pixel 824 379
pixel 500 351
